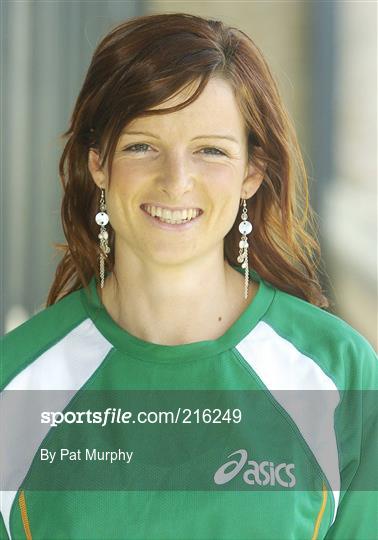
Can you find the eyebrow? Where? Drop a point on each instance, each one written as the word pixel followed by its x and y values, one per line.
pixel 228 137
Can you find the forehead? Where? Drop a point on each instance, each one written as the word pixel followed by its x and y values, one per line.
pixel 215 108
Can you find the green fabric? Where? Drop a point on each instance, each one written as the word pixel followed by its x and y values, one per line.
pixel 84 500
pixel 351 363
pixel 32 338
pixel 3 531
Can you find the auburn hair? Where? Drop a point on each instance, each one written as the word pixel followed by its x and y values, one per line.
pixel 138 65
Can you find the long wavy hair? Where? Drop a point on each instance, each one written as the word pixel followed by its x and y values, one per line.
pixel 140 64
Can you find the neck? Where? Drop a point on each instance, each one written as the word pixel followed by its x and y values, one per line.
pixel 176 304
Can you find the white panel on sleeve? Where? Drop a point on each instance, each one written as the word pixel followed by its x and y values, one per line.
pixel 66 366
pixel 281 366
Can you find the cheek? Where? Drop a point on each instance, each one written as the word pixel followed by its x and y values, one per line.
pixel 122 183
pixel 127 181
pixel 224 187
pixel 225 176
pixel 118 199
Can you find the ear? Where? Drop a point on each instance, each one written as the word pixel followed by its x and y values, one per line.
pixel 253 179
pixel 97 173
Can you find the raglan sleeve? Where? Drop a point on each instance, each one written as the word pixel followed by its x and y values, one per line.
pixel 3 374
pixel 357 513
pixel 3 531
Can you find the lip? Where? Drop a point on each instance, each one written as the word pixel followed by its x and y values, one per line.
pixel 170 226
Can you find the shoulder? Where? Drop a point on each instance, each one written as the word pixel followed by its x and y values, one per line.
pixel 338 348
pixel 23 344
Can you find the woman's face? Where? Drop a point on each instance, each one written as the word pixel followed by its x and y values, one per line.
pixel 181 160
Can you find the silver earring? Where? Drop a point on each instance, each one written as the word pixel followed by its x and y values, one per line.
pixel 245 227
pixel 102 219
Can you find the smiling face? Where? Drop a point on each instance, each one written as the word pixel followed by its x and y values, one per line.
pixel 195 158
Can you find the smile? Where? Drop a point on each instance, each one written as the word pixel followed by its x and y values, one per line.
pixel 178 219
pixel 174 216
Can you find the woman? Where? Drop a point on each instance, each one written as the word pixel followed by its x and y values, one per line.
pixel 190 266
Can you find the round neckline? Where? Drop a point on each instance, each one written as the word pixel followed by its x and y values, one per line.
pixel 122 340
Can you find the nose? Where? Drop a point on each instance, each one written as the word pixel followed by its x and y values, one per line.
pixel 176 177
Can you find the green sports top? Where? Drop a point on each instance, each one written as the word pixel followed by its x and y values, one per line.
pixel 271 431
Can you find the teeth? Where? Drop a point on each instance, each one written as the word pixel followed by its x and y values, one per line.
pixel 177 216
pixel 174 221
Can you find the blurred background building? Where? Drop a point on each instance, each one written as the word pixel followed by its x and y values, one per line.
pixel 324 57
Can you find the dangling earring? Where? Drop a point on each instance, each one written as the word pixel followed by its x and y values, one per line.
pixel 102 219
pixel 245 227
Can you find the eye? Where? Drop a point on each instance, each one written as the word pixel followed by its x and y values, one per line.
pixel 220 153
pixel 141 148
pixel 138 145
